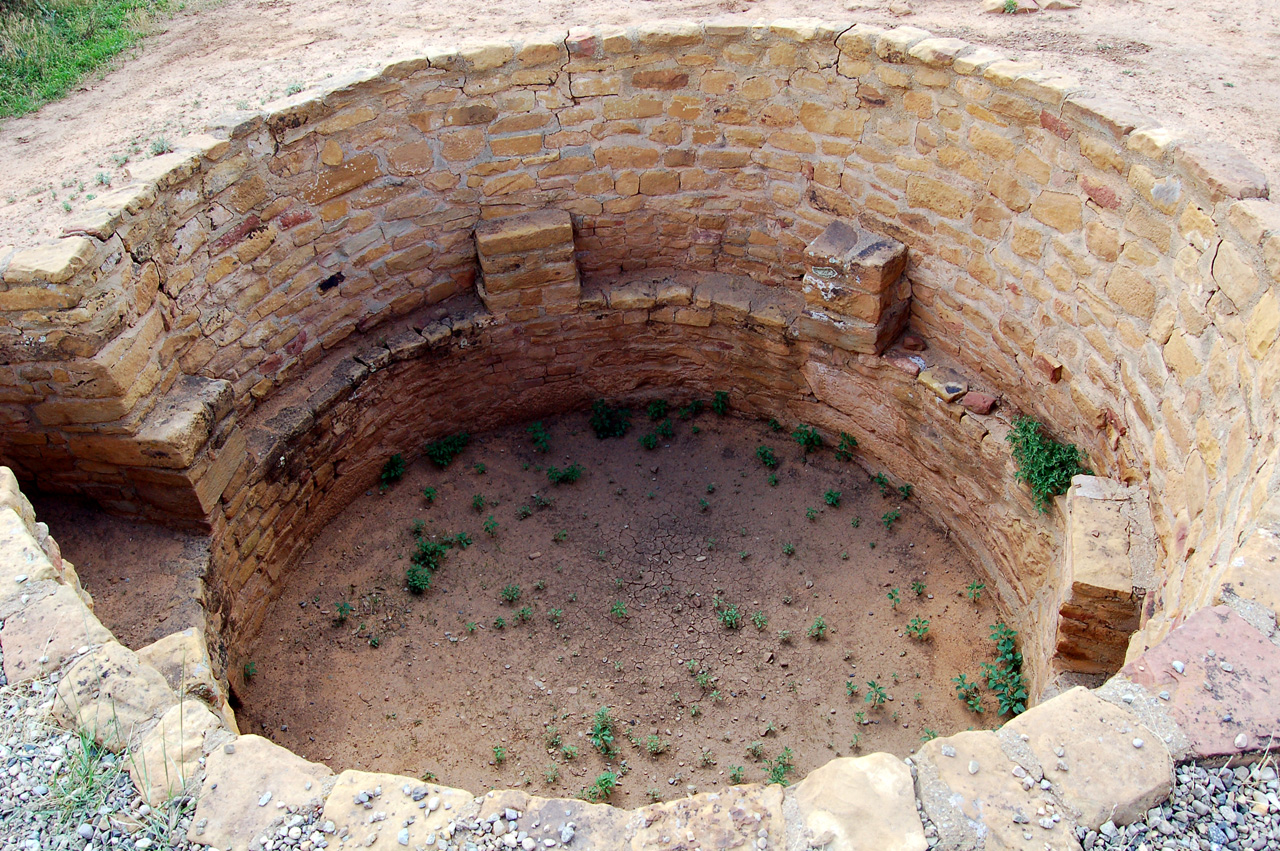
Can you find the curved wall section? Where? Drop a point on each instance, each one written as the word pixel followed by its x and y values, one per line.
pixel 201 327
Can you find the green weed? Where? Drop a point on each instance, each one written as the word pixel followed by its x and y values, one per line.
pixel 848 443
pixel 607 421
pixel 1043 463
pixel 443 451
pixel 808 438
pixel 392 472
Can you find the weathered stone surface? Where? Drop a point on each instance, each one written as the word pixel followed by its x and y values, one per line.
pixel 947 384
pixel 716 819
pixel 978 403
pixel 182 658
pixel 1106 778
pixel 987 808
pixel 55 263
pixel 22 561
pixel 864 803
pixel 844 254
pixel 112 696
pixel 1221 696
pixel 526 232
pixel 231 805
pixel 1253 571
pixel 11 496
pixel 47 633
pixel 341 808
pixel 166 761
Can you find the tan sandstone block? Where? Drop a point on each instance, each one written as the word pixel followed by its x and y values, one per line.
pixel 1106 777
pixel 21 557
pixel 1058 210
pixel 864 803
pixel 525 232
pixel 341 809
pixel 182 658
pixel 166 762
pixel 237 776
pixel 112 696
pixel 47 633
pixel 940 197
pixel 1234 274
pixel 352 174
pixel 55 262
pixel 11 496
pixel 1129 289
pixel 1264 324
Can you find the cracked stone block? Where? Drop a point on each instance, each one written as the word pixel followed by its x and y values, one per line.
pixel 182 658
pixel 251 784
pixel 1251 583
pixel 112 696
pixel 868 802
pixel 166 761
pixel 1101 776
pixel 969 790
pixel 1108 556
pixel 947 384
pixel 1226 697
pixel 47 633
pixel 720 819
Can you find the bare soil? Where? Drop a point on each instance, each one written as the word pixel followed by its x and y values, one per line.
pixel 1209 66
pixel 675 536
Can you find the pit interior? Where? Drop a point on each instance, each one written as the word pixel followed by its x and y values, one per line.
pixel 301 295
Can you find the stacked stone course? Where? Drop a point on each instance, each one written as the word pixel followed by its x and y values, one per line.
pixel 228 341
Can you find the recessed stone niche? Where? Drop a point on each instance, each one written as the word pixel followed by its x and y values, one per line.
pixel 231 342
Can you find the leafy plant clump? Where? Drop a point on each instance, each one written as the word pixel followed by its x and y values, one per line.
pixel 730 617
pixel 443 451
pixel 1044 464
pixel 766 456
pixel 720 402
pixel 819 629
pixel 918 628
pixel 392 472
pixel 779 767
pixel 968 693
pixel 657 409
pixel 1005 676
pixel 602 787
pixel 540 436
pixel 832 498
pixel 649 441
pixel 602 733
pixel 568 475
pixel 808 438
pixel 418 579
pixel 848 443
pixel 607 421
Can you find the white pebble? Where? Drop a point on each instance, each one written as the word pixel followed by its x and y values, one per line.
pixel 1137 743
pixel 1178 666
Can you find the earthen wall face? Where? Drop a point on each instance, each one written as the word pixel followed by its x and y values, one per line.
pixel 231 340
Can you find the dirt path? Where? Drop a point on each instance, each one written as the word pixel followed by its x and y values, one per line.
pixel 1209 66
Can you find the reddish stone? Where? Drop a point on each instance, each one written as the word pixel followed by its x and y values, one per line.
pixel 906 364
pixel 978 403
pixel 582 42
pixel 1055 125
pixel 1102 195
pixel 1050 369
pixel 1219 697
pixel 913 343
pixel 292 218
pixel 236 234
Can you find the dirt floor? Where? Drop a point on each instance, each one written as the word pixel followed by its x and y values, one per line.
pixel 1209 66
pixel 673 537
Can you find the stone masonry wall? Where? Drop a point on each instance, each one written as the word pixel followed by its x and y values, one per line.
pixel 1113 278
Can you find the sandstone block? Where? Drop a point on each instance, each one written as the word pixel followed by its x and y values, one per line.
pixel 1254 570
pixel 1221 169
pixel 1132 292
pixel 341 809
pixel 975 801
pixel 1106 777
pixel 54 263
pixel 112 696
pixel 854 804
pixel 941 198
pixel 851 335
pixel 166 762
pixel 525 232
pixel 236 781
pixel 352 174
pixel 1058 210
pixel 21 557
pixel 848 255
pixel 47 633
pixel 947 384
pixel 182 658
pixel 11 496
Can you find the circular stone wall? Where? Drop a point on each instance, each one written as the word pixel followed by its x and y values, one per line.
pixel 238 339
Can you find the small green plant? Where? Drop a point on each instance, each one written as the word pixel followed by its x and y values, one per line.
pixel 462 540
pixel 772 480
pixel 894 598
pixel 851 688
pixel 928 735
pixel 540 585
pixel 554 615
pixel 818 630
pixel 918 587
pixel 478 502
pixel 499 622
pixel 510 593
pixel 876 695
pixel 551 774
pixel 706 759
pixel 250 670
pixel 774 424
pixel 1043 463
pixel 430 494
pixel 832 498
pixel 760 620
pixel 524 512
pixel 480 468
pixel 375 642
pixel 443 451
pixel 392 472
pixel 560 536
pixel 1005 676
pixel 607 421
pixel 649 441
pixel 780 767
pixel 602 732
pixel 848 443
pixel 472 626
pixel 524 614
pixel 968 693
pixel 618 610
pixel 788 549
pixel 1010 7
pixel 808 438
pixel 540 437
pixel 655 745
pixel 417 579
pixel 905 491
pixel 855 522
pixel 720 402
pixel 666 429
pixel 811 514
pixel 766 456
pixel 499 754
pixel 918 628
pixel 657 409
pixel 974 591
pixel 160 145
pixel 881 481
pixel 691 410
pixel 341 612
pixel 736 774
pixel 602 787
pixel 429 554
pixel 102 179
pixel 755 750
pixel 730 617
pixel 784 636
pixel 568 475
pixel 890 517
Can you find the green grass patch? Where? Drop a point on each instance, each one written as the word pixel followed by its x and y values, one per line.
pixel 48 46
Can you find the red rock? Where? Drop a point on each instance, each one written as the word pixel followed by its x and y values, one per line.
pixel 978 403
pixel 906 364
pixel 1048 367
pixel 1246 691
pixel 913 343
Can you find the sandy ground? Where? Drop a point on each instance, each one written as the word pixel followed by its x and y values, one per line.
pixel 662 533
pixel 1210 66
